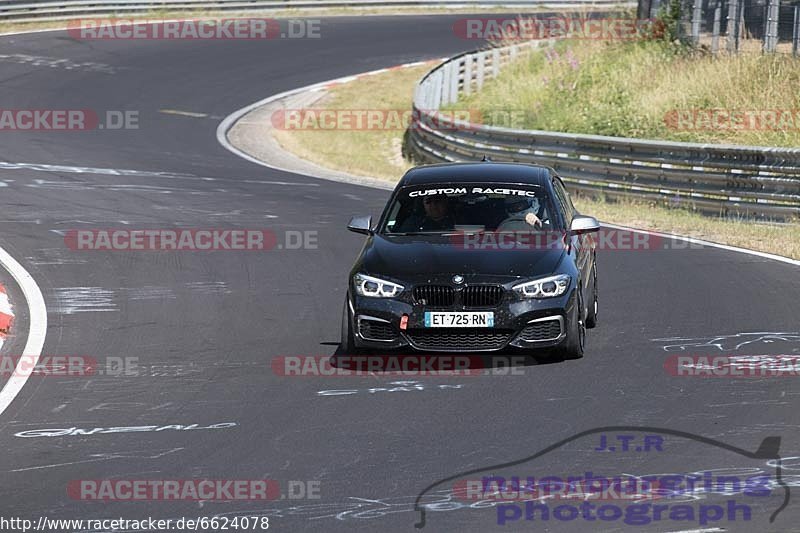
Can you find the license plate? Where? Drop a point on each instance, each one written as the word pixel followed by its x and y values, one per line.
pixel 483 319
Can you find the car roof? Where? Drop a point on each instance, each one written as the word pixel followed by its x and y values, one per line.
pixel 480 172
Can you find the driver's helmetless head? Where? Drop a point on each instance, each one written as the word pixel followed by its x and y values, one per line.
pixel 435 207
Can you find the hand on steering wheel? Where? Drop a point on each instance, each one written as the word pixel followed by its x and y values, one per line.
pixel 533 220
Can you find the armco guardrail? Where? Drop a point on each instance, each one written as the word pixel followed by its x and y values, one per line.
pixel 29 11
pixel 724 179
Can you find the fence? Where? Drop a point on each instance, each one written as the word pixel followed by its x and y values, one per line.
pixel 735 25
pixel 724 179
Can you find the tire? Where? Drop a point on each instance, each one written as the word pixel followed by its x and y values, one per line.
pixel 576 332
pixel 347 344
pixel 591 314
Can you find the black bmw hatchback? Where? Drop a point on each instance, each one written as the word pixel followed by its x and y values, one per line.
pixel 474 257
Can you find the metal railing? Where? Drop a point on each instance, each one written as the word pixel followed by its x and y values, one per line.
pixel 734 25
pixel 724 179
pixel 30 11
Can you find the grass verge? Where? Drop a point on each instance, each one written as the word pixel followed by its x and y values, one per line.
pixel 376 153
pixel 780 239
pixel 647 89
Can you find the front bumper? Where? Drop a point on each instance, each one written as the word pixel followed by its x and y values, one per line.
pixel 518 323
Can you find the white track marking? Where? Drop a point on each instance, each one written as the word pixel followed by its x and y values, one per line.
pixel 230 120
pixel 706 530
pixel 36 331
pixel 701 242
pixel 191 114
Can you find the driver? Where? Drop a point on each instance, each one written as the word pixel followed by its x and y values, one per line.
pixel 522 214
pixel 437 216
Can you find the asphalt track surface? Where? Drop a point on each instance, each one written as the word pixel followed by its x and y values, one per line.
pixel 206 326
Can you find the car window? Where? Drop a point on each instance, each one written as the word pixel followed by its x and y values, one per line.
pixel 563 199
pixel 563 189
pixel 470 207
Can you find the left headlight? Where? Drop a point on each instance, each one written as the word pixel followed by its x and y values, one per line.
pixel 549 287
pixel 376 288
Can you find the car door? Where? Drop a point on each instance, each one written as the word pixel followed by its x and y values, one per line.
pixel 582 244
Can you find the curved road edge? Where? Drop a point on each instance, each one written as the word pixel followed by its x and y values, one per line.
pixel 37 329
pixel 232 134
pixel 275 157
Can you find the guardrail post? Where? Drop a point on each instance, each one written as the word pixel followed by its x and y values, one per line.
pixel 796 32
pixel 438 83
pixel 730 171
pixel 445 95
pixel 480 70
pixel 428 95
pixel 697 15
pixel 453 96
pixel 733 27
pixel 421 95
pixel 468 75
pixel 715 30
pixel 771 32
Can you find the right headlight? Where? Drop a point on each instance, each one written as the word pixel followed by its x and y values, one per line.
pixel 548 287
pixel 375 287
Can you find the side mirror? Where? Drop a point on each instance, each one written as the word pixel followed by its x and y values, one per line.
pixel 582 224
pixel 361 224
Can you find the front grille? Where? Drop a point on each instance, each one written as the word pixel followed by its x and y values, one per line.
pixel 448 340
pixel 434 295
pixel 375 330
pixel 482 295
pixel 541 331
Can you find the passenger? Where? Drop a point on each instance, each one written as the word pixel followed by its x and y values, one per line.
pixel 522 214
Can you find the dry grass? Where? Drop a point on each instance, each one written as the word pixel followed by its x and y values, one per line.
pixel 372 152
pixel 376 154
pixel 781 239
pixel 637 89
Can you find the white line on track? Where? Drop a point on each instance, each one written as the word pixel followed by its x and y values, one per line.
pixel 36 331
pixel 701 242
pixel 229 121
pixel 706 530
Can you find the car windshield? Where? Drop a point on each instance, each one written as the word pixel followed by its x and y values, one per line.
pixel 441 209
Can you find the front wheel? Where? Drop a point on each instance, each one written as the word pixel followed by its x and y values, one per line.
pixel 347 344
pixel 576 332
